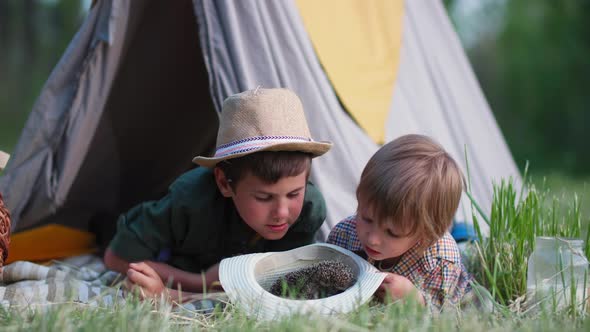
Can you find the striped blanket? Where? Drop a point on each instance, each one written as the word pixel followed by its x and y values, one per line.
pixel 81 279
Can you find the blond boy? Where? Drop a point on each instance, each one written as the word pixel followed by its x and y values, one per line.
pixel 408 194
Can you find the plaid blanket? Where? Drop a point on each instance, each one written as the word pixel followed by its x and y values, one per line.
pixel 81 279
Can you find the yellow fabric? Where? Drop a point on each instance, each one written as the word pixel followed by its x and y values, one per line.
pixel 49 242
pixel 358 44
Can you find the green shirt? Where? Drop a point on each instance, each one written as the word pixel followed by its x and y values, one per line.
pixel 194 226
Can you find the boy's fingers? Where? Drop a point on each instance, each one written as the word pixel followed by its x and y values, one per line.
pixel 138 278
pixel 144 268
pixel 392 278
pixel 139 266
pixel 132 274
pixel 389 278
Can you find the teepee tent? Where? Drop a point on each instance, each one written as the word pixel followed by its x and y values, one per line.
pixel 137 93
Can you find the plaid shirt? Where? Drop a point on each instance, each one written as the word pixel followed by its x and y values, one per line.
pixel 437 272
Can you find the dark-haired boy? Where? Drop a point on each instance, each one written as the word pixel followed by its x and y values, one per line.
pixel 253 195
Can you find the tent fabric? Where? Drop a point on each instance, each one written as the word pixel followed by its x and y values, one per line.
pixel 437 94
pixel 275 51
pixel 435 91
pixel 359 51
pixel 45 160
pixel 137 93
pixel 120 117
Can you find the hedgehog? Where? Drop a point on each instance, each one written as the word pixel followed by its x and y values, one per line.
pixel 322 279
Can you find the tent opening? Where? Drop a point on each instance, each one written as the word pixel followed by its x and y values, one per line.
pixel 158 116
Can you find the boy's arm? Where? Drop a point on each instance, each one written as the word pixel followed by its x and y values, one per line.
pixel 114 262
pixel 446 284
pixel 144 231
pixel 189 281
pixel 144 276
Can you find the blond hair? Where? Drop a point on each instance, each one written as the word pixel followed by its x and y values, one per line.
pixel 415 184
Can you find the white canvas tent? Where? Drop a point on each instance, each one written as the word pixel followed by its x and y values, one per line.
pixel 136 96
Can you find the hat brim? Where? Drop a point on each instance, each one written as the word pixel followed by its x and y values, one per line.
pixel 315 148
pixel 247 278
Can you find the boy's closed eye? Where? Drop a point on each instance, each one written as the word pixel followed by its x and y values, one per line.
pixel 263 198
pixel 294 193
pixel 266 197
pixel 366 219
pixel 392 234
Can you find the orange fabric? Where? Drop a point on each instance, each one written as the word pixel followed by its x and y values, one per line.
pixel 50 242
pixel 358 43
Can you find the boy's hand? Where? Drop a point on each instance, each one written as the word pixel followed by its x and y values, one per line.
pixel 146 278
pixel 212 277
pixel 398 287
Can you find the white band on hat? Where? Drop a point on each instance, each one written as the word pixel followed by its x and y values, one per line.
pixel 255 143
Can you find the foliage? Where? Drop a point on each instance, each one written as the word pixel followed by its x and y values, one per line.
pixel 33 35
pixel 534 69
pixel 565 189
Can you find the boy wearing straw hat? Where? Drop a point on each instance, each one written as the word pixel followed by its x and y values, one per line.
pixel 408 194
pixel 253 195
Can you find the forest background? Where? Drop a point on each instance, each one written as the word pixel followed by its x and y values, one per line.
pixel 532 59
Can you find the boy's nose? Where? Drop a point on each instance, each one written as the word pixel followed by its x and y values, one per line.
pixel 282 210
pixel 372 238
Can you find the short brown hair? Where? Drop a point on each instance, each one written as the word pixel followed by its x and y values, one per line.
pixel 415 184
pixel 269 166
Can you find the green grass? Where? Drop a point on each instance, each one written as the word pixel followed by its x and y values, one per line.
pixel 565 189
pixel 499 264
pixel 555 205
pixel 518 215
pixel 137 316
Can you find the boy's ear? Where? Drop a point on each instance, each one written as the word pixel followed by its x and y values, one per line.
pixel 222 182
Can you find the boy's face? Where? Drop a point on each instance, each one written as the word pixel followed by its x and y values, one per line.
pixel 269 209
pixel 381 240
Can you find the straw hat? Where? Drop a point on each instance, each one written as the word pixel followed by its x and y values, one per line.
pixel 247 280
pixel 262 120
